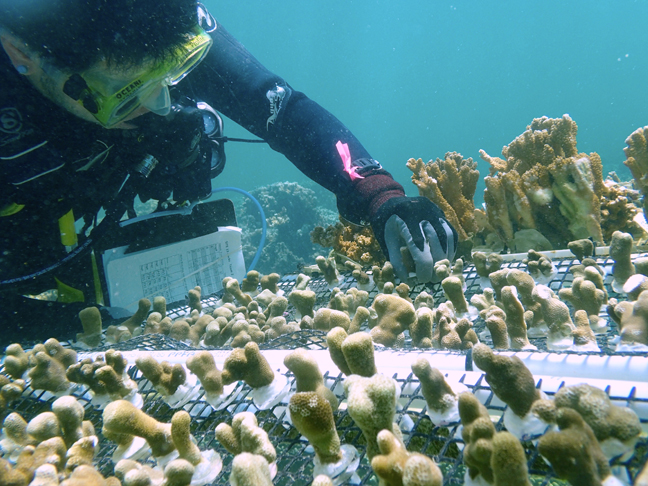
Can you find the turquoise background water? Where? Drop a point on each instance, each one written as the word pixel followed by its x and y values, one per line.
pixel 419 78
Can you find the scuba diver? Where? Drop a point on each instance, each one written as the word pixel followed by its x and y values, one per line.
pixel 103 101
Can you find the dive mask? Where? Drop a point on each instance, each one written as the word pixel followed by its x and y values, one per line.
pixel 111 99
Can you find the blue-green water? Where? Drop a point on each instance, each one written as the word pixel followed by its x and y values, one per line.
pixel 418 78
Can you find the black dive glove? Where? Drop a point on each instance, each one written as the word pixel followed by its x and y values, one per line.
pixel 419 224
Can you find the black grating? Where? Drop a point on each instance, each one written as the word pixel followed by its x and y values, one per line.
pixel 444 444
pixel 295 458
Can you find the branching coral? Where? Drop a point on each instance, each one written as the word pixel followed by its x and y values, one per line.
pixel 574 452
pixel 616 428
pixel 105 376
pixel 450 333
pixel 397 467
pixel 121 418
pixel 312 416
pixel 48 374
pixel 371 402
pixel 487 263
pixel 395 315
pixel 513 383
pixel 543 183
pixel 509 379
pixel 478 432
pixel 249 365
pixel 308 375
pixel 353 354
pixel 245 435
pixel 637 159
pixel 202 364
pixel 356 243
pixel 632 318
pixel 450 184
pixel 556 315
pixel 164 376
pixel 440 397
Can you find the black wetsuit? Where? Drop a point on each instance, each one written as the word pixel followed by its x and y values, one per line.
pixel 52 161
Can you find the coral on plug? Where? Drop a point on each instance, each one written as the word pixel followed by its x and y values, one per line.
pixel 308 375
pixel 616 428
pixel 245 435
pixel 371 402
pixel 478 432
pixel 395 315
pixel 632 319
pixel 395 466
pixel 91 321
pixel 167 378
pixel 513 383
pixel 574 452
pixel 556 315
pixel 202 365
pixel 441 398
pixel 250 470
pixel 122 418
pixel 249 365
pixel 312 416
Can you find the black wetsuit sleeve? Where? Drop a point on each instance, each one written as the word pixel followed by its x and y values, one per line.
pixel 236 84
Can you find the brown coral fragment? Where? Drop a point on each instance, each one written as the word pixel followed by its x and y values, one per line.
pixel 607 420
pixel 91 321
pixel 164 376
pixel 371 402
pixel 203 365
pixel 509 379
pixel 395 315
pixel 308 375
pixel 508 461
pixel 478 432
pixel 395 466
pixel 245 435
pixel 632 318
pixel 620 251
pixel 439 396
pixel 313 418
pixel 487 263
pixel 123 418
pixel 249 365
pixel 574 452
pixel 135 321
pixel 48 374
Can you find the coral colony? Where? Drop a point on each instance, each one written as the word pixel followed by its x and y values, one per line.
pixel 542 194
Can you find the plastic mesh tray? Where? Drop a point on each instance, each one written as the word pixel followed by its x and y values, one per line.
pixel 295 458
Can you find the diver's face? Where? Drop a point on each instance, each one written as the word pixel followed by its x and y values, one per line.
pixel 49 81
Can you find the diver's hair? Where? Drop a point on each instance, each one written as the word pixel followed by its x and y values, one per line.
pixel 75 34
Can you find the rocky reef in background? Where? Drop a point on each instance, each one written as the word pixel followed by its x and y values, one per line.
pixel 292 211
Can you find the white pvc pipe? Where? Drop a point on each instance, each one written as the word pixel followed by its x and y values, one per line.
pixel 390 362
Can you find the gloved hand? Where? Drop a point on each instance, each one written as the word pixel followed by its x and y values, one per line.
pixel 419 224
